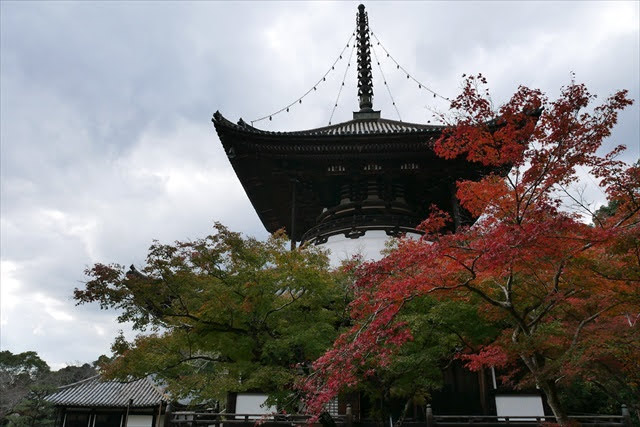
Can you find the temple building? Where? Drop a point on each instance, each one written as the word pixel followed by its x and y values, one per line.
pixel 367 176
pixel 361 181
pixel 95 402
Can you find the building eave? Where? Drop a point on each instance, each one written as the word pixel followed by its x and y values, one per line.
pixel 358 127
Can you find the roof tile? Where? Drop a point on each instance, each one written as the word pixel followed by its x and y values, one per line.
pixel 97 392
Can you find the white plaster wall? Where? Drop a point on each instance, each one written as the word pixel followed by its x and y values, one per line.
pixel 369 246
pixel 519 406
pixel 140 421
pixel 251 403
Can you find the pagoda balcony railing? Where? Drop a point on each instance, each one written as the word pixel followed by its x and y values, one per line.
pixel 357 225
pixel 366 206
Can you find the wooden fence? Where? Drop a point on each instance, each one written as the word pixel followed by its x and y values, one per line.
pixel 213 419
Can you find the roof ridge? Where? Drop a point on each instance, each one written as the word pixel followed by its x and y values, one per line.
pixel 81 381
pixel 381 119
pixel 156 387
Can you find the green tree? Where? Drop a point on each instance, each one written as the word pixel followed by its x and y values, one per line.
pixel 70 374
pixel 222 314
pixel 18 372
pixel 33 410
pixel 440 330
pixel 25 381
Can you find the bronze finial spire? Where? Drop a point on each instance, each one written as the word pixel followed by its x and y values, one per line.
pixel 365 78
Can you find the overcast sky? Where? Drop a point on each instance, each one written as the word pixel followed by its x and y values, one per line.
pixel 107 143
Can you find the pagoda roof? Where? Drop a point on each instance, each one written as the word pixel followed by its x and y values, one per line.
pixel 324 161
pixel 369 127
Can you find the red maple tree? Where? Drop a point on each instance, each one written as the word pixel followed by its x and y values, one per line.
pixel 567 289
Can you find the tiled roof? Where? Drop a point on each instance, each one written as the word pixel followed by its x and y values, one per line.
pixel 97 392
pixel 371 126
pixel 352 127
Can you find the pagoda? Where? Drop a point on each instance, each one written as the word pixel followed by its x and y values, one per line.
pixel 368 173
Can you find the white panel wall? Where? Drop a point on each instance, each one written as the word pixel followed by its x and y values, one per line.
pixel 140 421
pixel 519 406
pixel 252 403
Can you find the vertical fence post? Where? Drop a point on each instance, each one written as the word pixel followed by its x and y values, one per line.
pixel 349 416
pixel 430 422
pixel 167 415
pixel 626 416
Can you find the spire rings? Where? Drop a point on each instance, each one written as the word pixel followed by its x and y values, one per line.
pixel 365 76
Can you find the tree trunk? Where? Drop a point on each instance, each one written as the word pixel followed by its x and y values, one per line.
pixel 535 363
pixel 404 412
pixel 551 393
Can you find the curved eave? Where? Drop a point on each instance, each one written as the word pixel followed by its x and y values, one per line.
pixel 267 163
pixel 328 143
pixel 385 128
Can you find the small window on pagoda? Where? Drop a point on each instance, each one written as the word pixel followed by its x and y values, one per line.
pixel 335 169
pixel 409 166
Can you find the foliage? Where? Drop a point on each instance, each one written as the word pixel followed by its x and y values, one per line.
pixel 70 374
pixel 25 380
pixel 222 314
pixel 439 329
pixel 28 364
pixel 33 410
pixel 18 372
pixel 562 290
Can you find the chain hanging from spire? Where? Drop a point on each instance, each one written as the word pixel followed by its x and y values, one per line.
pixel 384 80
pixel 313 88
pixel 404 70
pixel 365 76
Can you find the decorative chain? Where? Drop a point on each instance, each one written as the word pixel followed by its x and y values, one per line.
pixel 409 76
pixel 384 79
pixel 313 88
pixel 335 105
